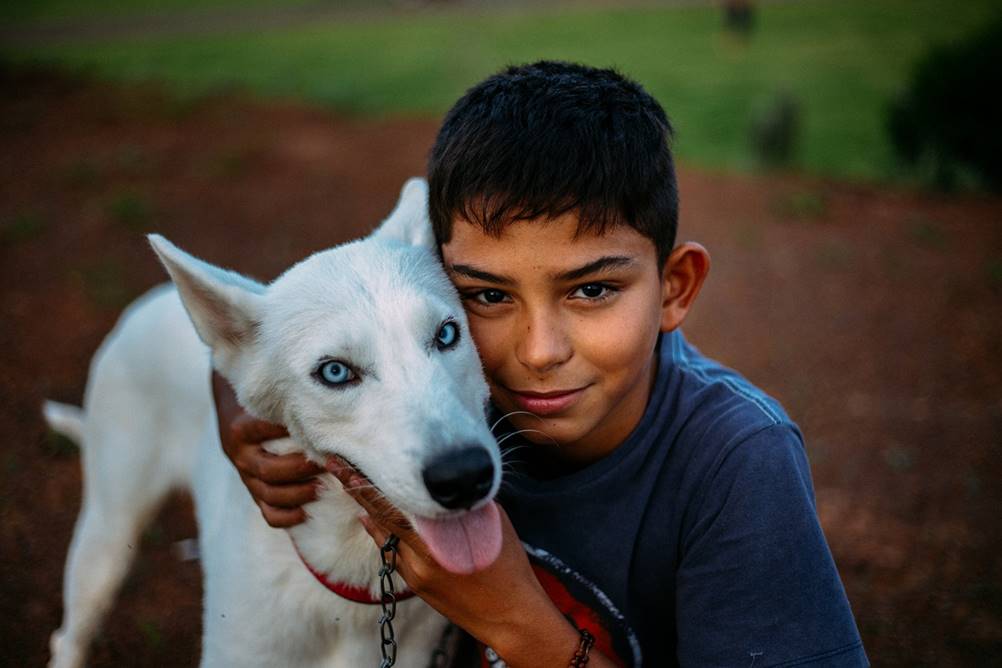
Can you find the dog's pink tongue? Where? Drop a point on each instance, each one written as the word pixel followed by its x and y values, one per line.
pixel 463 544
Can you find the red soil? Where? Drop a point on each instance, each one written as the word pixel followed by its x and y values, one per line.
pixel 873 314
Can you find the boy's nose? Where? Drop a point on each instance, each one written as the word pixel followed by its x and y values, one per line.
pixel 543 345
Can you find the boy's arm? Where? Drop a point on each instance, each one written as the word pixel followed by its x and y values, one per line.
pixel 756 582
pixel 503 606
pixel 279 484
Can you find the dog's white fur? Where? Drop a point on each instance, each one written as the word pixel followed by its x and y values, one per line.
pixel 148 426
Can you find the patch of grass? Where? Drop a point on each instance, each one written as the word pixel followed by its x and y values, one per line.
pixel 893 263
pixel 836 255
pixel 899 459
pixel 972 484
pixel 80 172
pixel 132 159
pixel 57 445
pixel 48 10
pixel 151 633
pixel 131 210
pixel 993 273
pixel 152 102
pixel 748 236
pixel 927 233
pixel 987 593
pixel 775 130
pixel 11 463
pixel 800 205
pixel 177 107
pixel 21 227
pixel 843 60
pixel 232 162
pixel 105 285
pixel 21 115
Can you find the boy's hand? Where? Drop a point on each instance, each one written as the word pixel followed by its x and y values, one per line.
pixel 279 484
pixel 502 606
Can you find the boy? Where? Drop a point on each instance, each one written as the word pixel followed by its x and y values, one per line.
pixel 659 500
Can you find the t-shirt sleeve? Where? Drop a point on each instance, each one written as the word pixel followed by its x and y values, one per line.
pixel 756 584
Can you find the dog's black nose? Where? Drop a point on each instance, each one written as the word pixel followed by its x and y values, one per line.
pixel 459 478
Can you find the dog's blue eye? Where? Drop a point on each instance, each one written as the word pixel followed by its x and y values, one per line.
pixel 335 373
pixel 448 335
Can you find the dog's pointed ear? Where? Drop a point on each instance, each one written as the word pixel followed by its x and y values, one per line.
pixel 223 305
pixel 409 221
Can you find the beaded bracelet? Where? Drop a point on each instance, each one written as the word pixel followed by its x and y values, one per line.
pixel 580 658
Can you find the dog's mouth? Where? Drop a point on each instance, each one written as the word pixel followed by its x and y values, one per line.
pixel 462 543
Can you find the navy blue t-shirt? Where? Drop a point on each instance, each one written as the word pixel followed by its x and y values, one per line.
pixel 696 542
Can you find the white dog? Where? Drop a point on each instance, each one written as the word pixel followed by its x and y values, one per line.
pixel 361 351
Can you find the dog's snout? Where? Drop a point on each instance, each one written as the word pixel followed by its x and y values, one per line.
pixel 459 478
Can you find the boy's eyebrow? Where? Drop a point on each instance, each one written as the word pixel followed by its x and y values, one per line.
pixel 607 262
pixel 473 272
pixel 602 263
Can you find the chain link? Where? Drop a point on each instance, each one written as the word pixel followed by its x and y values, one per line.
pixel 388 601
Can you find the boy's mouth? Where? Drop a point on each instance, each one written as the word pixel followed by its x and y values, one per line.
pixel 546 403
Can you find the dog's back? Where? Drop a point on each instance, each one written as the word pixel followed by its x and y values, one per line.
pixel 146 403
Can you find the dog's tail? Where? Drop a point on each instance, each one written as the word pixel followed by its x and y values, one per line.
pixel 66 419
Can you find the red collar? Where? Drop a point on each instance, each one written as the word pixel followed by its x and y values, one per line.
pixel 350 592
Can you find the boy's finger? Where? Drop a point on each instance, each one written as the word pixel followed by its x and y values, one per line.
pixel 282 496
pixel 281 469
pixel 358 485
pixel 378 533
pixel 281 518
pixel 341 469
pixel 248 429
pixel 369 497
pixel 407 549
pixel 381 510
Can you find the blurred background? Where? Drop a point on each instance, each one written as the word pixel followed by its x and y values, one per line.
pixel 839 158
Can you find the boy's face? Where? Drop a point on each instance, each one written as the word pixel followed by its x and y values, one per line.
pixel 566 327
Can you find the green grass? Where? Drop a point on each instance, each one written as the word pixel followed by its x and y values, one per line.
pixel 842 60
pixel 21 227
pixel 151 632
pixel 131 210
pixel 58 445
pixel 105 284
pixel 48 10
pixel 801 205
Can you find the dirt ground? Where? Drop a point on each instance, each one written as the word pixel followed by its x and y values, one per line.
pixel 873 314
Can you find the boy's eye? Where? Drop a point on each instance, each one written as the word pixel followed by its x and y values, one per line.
pixel 490 296
pixel 592 291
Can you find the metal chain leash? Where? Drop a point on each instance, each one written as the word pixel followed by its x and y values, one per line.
pixel 388 601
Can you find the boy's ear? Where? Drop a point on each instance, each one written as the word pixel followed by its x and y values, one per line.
pixel 681 279
pixel 223 305
pixel 409 222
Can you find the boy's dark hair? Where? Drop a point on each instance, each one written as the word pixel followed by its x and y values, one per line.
pixel 549 138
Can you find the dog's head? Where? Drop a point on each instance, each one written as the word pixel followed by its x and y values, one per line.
pixel 364 351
